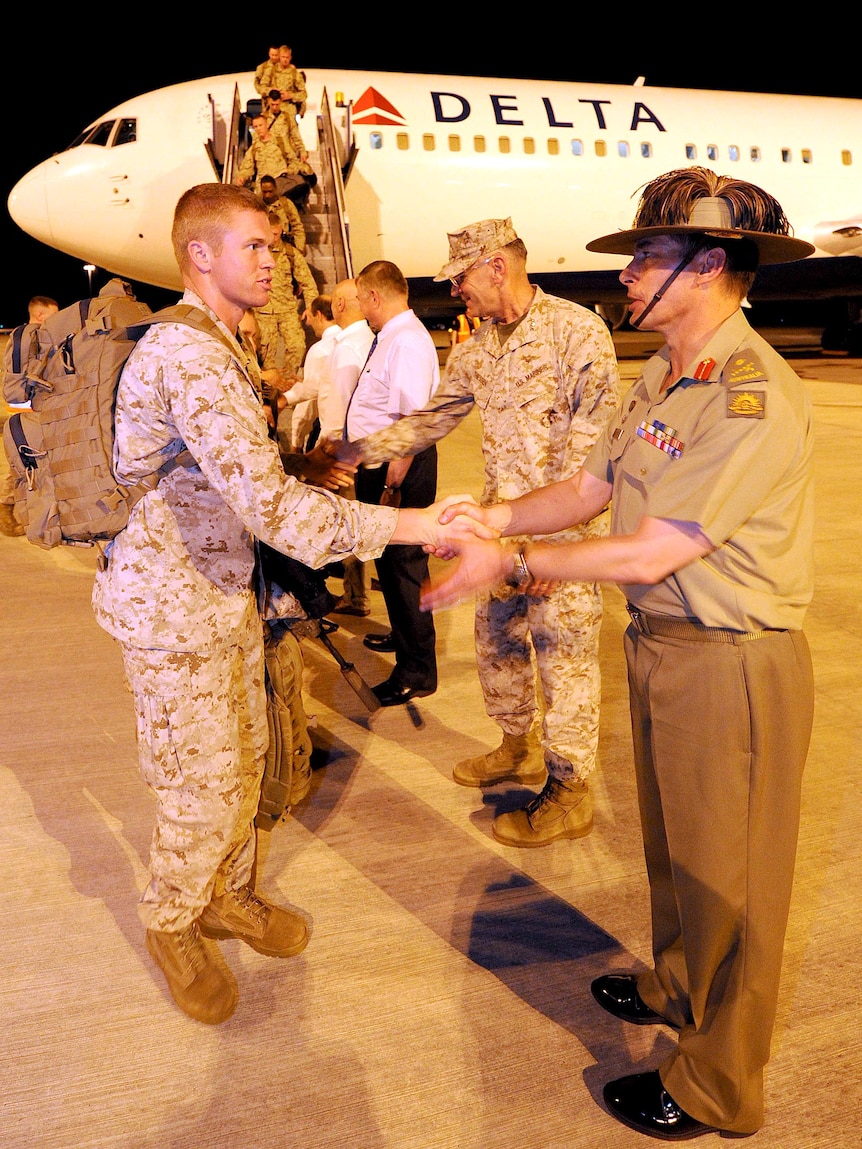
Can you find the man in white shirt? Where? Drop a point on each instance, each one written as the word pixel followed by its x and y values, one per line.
pixel 349 352
pixel 400 376
pixel 303 396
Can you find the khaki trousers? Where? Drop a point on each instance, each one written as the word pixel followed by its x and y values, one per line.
pixel 721 734
pixel 202 738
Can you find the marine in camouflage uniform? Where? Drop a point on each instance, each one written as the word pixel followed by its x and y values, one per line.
pixel 544 390
pixel 282 122
pixel 282 336
pixel 292 227
pixel 177 595
pixel 267 155
pixel 285 76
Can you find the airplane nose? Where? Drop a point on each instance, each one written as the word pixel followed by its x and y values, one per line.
pixel 28 205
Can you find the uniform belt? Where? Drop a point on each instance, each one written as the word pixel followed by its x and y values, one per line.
pixel 665 627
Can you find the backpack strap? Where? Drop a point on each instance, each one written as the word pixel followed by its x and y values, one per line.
pixel 26 453
pixel 193 317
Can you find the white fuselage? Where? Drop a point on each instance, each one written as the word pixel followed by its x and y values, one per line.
pixel 564 160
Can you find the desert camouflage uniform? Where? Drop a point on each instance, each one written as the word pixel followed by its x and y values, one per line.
pixel 177 594
pixel 284 126
pixel 268 158
pixel 292 227
pixel 293 290
pixel 289 82
pixel 543 397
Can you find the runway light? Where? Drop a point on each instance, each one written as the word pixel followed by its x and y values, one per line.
pixel 90 268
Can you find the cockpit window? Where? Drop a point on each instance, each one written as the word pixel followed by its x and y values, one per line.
pixel 127 132
pixel 99 135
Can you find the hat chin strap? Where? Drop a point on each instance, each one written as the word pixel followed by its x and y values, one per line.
pixel 661 291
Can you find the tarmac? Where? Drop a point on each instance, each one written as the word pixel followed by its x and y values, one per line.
pixel 443 999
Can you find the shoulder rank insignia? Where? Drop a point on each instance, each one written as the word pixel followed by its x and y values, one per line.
pixel 746 404
pixel 742 370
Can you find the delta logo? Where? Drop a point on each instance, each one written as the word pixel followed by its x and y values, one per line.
pixel 372 108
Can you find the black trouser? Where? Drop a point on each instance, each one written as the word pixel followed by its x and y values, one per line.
pixel 402 571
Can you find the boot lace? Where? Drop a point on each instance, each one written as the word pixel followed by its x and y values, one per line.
pixel 251 905
pixel 190 949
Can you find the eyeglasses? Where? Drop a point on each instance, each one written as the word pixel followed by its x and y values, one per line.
pixel 457 280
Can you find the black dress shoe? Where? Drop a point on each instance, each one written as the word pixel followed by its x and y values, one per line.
pixel 642 1102
pixel 382 642
pixel 391 693
pixel 618 994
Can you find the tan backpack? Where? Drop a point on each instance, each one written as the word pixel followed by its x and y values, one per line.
pixel 61 450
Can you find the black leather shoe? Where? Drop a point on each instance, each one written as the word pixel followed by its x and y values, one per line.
pixel 382 642
pixel 391 693
pixel 618 994
pixel 642 1102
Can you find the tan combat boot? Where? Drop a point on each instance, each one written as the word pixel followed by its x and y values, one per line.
pixel 518 758
pixel 199 981
pixel 564 809
pixel 245 915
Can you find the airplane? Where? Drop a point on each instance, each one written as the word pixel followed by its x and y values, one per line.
pixel 405 158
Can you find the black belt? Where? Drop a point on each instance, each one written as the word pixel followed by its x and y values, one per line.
pixel 665 627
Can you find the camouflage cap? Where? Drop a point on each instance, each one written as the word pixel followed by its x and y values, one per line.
pixel 474 241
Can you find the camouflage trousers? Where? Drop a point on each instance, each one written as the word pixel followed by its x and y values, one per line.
pixel 202 737
pixel 282 340
pixel 560 631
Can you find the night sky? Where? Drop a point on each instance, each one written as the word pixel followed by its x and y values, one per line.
pixel 85 78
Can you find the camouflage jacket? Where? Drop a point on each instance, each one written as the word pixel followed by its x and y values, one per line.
pixel 179 577
pixel 543 397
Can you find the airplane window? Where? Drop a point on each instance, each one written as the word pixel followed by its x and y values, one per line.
pixel 98 135
pixel 577 148
pixel 711 152
pixel 786 155
pixel 755 155
pixel 646 150
pixel 529 146
pixel 454 143
pixel 127 132
pixel 623 148
pixel 428 142
pixel 375 139
pixel 807 157
pixel 505 145
pixel 601 148
pixel 846 157
pixel 733 152
pixel 690 152
pixel 553 147
pixel 402 141
pixel 479 144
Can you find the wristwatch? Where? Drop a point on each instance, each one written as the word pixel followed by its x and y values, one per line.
pixel 520 576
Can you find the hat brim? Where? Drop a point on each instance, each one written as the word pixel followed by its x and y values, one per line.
pixel 454 268
pixel 770 248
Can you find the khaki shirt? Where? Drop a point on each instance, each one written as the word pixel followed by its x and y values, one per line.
pixel 179 576
pixel 543 396
pixel 728 447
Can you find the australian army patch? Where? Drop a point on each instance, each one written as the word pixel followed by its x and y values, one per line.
pixel 746 404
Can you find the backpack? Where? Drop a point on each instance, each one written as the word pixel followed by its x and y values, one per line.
pixel 287 771
pixel 61 450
